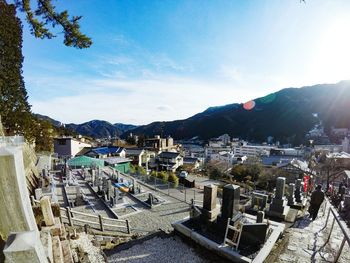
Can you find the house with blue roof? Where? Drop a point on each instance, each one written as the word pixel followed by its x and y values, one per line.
pixel 105 152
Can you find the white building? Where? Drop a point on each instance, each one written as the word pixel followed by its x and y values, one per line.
pixel 345 143
pixel 68 146
pixel 252 150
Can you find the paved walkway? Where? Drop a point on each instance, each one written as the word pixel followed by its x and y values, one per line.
pixel 305 242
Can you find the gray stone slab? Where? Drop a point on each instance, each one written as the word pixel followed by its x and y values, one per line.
pixel 209 197
pixel 280 184
pixel 24 247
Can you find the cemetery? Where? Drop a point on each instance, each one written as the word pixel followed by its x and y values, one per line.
pixel 72 209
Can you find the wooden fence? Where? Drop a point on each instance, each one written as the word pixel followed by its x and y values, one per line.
pixel 95 221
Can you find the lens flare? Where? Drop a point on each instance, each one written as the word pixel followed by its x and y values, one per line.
pixel 249 105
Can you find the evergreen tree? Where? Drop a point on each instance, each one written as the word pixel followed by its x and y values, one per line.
pixel 15 112
pixel 14 107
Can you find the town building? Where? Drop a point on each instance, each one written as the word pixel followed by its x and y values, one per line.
pixel 104 152
pixel 158 144
pixel 252 150
pixel 118 163
pixel 169 161
pixel 69 146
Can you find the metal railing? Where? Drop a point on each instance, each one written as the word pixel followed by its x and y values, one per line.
pixel 342 225
pixel 177 191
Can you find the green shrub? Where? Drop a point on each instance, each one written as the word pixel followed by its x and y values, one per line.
pixel 163 176
pixel 173 179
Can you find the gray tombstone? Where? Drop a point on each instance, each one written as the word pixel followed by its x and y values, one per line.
pixel 279 205
pixel 209 198
pixel 109 189
pixel 291 197
pixel 38 193
pixel 104 184
pixel 280 184
pixel 230 201
pixel 150 200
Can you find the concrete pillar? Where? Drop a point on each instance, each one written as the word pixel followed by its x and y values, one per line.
pixel 16 211
pixel 230 201
pixel 209 198
pixel 24 247
pixel 45 205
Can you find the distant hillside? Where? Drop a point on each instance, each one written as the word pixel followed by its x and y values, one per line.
pixel 47 118
pixel 94 128
pixel 287 115
pixel 100 129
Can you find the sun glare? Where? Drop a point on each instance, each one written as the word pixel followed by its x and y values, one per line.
pixel 332 53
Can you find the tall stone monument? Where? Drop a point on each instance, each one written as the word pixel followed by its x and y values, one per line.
pixel 291 197
pixel 279 205
pixel 298 191
pixel 230 201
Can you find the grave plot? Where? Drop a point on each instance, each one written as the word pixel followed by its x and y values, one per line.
pixel 227 231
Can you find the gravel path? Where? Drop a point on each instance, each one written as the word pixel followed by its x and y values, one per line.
pixel 158 250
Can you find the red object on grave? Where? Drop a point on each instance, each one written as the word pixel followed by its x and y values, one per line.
pixel 306 182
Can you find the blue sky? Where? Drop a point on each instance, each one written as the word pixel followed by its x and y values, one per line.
pixel 166 60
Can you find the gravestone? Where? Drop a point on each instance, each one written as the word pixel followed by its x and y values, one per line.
pixel 260 216
pixel 93 177
pixel 38 193
pixel 24 247
pixel 253 235
pixel 279 205
pixel 230 201
pixel 259 200
pixel 133 181
pixel 112 201
pixel 210 211
pixel 291 197
pixel 347 202
pixel 45 205
pixel 109 189
pixel 79 199
pixel 150 199
pixel 298 191
pixel 104 184
pixel 209 199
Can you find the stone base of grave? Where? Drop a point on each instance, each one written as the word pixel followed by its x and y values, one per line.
pixel 299 206
pixel 24 247
pixel 291 201
pixel 57 250
pixel 67 253
pixel 210 216
pixel 56 229
pixel 278 208
pixel 46 240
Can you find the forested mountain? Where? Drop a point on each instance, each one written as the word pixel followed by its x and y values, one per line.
pixel 100 129
pixel 287 115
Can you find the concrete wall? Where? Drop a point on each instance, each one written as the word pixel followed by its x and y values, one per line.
pixel 16 211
